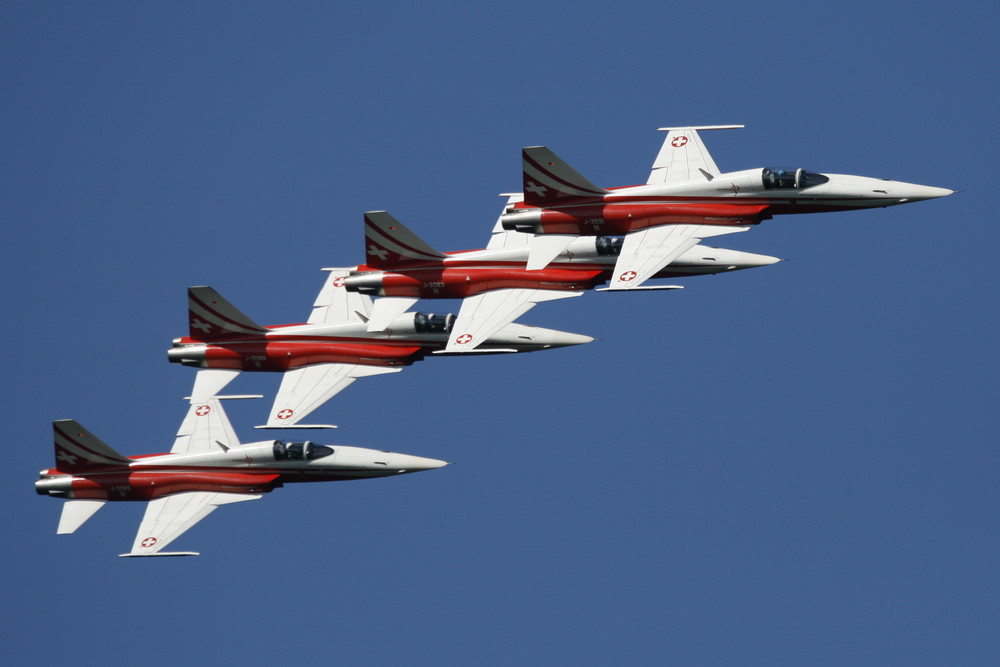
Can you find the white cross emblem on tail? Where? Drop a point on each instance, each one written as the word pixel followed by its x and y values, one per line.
pixel 536 189
pixel 285 414
pixel 148 542
pixel 63 455
pixel 378 252
pixel 202 326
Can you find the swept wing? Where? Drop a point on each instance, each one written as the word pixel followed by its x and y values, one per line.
pixel 484 314
pixel 683 155
pixel 169 517
pixel 646 252
pixel 304 389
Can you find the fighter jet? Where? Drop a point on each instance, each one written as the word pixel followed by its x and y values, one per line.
pixel 207 468
pixel 325 355
pixel 494 282
pixel 685 199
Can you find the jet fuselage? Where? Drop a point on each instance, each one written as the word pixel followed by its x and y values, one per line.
pixel 407 340
pixel 252 468
pixel 587 263
pixel 737 198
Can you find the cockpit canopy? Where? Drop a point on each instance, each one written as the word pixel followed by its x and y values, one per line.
pixel 299 451
pixel 780 178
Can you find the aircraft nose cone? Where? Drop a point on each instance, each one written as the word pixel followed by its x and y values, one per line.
pixel 914 192
pixel 406 463
pixel 564 338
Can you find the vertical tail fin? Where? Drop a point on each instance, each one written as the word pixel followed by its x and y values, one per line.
pixel 388 243
pixel 79 450
pixel 211 316
pixel 548 180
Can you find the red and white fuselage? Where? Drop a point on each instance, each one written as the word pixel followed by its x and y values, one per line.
pixel 587 263
pixel 735 199
pixel 249 469
pixel 407 339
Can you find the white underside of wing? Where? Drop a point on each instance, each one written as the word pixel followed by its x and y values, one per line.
pixel 545 248
pixel 386 309
pixel 483 315
pixel 75 513
pixel 646 252
pixel 304 389
pixel 209 382
pixel 683 156
pixel 501 239
pixel 335 305
pixel 169 517
pixel 204 428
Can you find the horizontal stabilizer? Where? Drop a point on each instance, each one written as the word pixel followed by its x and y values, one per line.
pixel 75 513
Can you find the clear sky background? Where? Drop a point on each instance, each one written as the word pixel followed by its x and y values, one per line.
pixel 792 465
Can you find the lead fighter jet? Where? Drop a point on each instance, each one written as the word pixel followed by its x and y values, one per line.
pixel 206 468
pixel 685 199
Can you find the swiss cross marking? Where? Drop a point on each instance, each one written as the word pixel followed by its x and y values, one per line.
pixel 627 276
pixel 536 189
pixel 202 410
pixel 204 327
pixel 464 338
pixel 677 142
pixel 63 455
pixel 148 542
pixel 285 414
pixel 339 282
pixel 376 251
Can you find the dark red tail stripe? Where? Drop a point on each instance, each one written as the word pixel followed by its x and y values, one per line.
pixel 555 178
pixel 371 227
pixel 86 449
pixel 215 312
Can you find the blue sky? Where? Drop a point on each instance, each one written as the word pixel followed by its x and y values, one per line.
pixel 792 465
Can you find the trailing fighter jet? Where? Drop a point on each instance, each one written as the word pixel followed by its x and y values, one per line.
pixel 206 468
pixel 494 282
pixel 685 199
pixel 325 355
